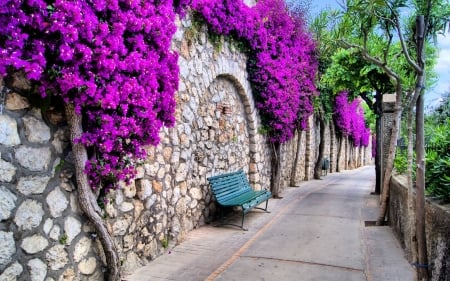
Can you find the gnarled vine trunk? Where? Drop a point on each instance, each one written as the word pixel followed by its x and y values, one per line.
pixel 276 170
pixel 86 197
pixel 297 159
pixel 332 140
pixel 319 161
pixel 340 140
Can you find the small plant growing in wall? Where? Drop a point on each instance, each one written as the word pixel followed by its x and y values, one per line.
pixel 63 239
pixel 165 242
pixel 60 165
pixel 263 130
pixel 192 32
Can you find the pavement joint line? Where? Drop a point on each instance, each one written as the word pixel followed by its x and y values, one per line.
pixel 247 245
pixel 323 216
pixel 306 262
pixel 365 246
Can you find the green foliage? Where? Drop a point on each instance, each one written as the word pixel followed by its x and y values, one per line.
pixel 437 166
pixel 263 130
pixel 401 162
pixel 369 117
pixel 349 71
pixel 326 46
pixel 377 27
pixel 216 40
pixel 63 239
pixel 440 114
pixel 438 175
pixel 165 242
pixel 60 165
pixel 323 104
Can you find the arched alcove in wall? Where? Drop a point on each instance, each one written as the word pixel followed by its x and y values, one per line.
pixel 224 128
pixel 224 133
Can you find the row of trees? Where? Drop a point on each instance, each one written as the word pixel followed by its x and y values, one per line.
pixel 371 48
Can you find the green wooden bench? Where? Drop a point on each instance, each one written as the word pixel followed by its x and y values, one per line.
pixel 234 190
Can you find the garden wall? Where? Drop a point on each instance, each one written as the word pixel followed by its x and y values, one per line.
pixel 437 224
pixel 43 234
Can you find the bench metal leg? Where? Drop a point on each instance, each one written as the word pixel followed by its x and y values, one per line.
pixel 222 221
pixel 242 223
pixel 222 218
pixel 264 209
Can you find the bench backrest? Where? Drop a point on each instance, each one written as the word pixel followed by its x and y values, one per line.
pixel 230 185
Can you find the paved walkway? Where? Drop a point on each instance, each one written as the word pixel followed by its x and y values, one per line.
pixel 315 232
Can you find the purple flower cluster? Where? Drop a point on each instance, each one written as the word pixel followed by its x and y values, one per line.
pixel 111 59
pixel 282 64
pixel 349 119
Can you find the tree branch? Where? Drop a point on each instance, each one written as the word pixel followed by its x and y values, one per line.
pixel 414 65
pixel 373 60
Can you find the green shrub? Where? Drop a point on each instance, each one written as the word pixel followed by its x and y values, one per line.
pixel 437 178
pixel 401 162
pixel 437 173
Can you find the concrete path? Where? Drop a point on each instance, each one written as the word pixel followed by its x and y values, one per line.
pixel 315 232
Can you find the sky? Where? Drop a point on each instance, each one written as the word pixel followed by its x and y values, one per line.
pixel 442 68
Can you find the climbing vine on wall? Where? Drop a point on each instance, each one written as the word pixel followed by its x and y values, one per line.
pixel 349 119
pixel 112 60
pixel 282 66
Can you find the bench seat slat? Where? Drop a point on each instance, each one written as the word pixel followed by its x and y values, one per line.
pixel 243 198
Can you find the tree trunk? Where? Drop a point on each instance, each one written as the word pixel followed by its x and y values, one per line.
pixel 319 160
pixel 332 145
pixel 420 154
pixel 411 220
pixel 378 171
pixel 308 153
pixel 86 198
pixel 346 153
pixel 276 170
pixel 420 192
pixel 339 152
pixel 391 154
pixel 297 159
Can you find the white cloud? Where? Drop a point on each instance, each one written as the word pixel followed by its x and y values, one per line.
pixel 443 41
pixel 442 68
pixel 443 63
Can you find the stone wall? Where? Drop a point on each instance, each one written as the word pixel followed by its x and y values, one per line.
pixel 43 234
pixel 437 228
